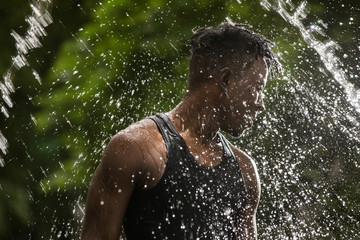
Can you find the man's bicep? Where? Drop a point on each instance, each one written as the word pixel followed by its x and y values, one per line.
pixel 110 190
pixel 247 226
pixel 249 229
pixel 252 183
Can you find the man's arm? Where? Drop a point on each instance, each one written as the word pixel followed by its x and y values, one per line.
pixel 249 171
pixel 111 188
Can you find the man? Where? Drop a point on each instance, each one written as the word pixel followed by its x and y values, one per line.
pixel 174 176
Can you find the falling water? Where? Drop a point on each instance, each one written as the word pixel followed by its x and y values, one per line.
pixel 325 49
pixel 38 20
pixel 289 162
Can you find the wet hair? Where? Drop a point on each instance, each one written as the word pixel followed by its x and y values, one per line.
pixel 213 47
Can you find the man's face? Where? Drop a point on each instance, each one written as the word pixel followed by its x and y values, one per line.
pixel 244 97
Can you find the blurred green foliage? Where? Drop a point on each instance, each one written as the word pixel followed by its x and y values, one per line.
pixel 107 64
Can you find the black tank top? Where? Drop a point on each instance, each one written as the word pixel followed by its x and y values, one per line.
pixel 190 201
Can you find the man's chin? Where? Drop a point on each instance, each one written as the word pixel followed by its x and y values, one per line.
pixel 236 133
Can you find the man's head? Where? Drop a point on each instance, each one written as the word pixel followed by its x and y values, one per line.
pixel 214 48
pixel 235 61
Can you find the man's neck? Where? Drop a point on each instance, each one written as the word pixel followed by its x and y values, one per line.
pixel 196 118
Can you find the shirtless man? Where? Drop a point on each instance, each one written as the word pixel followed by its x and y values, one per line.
pixel 173 175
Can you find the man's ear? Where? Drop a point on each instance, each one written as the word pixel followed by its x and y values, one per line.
pixel 225 75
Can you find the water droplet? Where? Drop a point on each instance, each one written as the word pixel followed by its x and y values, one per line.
pixel 227 211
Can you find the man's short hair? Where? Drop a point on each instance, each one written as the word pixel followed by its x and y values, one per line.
pixel 217 46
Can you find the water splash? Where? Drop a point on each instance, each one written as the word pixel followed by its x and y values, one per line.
pixel 3 147
pixel 38 20
pixel 310 160
pixel 325 49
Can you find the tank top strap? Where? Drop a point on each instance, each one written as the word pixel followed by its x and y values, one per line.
pixel 165 127
pixel 168 123
pixel 227 150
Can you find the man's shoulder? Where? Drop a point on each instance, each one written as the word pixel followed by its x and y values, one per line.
pixel 130 144
pixel 139 149
pixel 137 133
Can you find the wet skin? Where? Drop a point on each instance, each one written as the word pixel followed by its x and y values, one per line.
pixel 135 158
